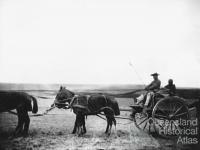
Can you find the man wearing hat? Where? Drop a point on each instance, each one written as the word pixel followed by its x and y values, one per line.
pixel 153 87
pixel 155 84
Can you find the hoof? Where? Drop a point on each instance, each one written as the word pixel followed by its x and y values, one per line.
pixel 83 133
pixel 74 132
pixel 80 134
pixel 25 134
pixel 108 134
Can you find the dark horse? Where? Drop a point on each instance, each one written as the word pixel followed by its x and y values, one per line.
pixel 20 101
pixel 84 105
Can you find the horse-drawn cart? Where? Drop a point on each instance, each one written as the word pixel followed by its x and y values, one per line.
pixel 163 116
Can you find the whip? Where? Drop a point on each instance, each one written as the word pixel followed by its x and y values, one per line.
pixel 138 75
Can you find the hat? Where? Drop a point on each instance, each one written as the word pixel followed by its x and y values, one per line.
pixel 155 74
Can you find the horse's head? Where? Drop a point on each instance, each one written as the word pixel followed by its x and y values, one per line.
pixel 64 95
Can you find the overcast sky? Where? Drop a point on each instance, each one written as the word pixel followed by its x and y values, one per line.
pixel 93 41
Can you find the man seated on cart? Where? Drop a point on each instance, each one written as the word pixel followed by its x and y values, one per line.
pixel 151 89
pixel 171 87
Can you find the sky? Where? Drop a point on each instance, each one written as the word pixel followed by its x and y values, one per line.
pixel 94 41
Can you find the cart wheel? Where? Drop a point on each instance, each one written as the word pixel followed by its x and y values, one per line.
pixel 143 122
pixel 167 114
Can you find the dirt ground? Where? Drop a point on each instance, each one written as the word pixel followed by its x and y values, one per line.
pixel 53 132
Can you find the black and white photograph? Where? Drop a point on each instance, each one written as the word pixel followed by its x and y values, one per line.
pixel 99 74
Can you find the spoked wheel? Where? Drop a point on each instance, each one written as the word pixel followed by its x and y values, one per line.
pixel 167 116
pixel 143 122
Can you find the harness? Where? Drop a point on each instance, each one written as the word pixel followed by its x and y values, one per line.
pixel 72 100
pixel 79 105
pixel 76 96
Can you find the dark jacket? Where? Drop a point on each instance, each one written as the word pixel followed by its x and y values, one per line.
pixel 171 88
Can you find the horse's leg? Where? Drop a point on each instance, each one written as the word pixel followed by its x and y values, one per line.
pixel 107 118
pixel 112 121
pixel 80 123
pixel 19 127
pixel 110 125
pixel 84 128
pixel 26 123
pixel 75 125
pixel 78 132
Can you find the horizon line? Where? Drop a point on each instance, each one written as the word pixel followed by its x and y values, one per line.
pixel 99 84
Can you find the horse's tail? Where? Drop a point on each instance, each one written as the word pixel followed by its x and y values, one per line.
pixel 35 105
pixel 115 106
pixel 116 109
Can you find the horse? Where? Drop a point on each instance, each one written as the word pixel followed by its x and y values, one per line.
pixel 84 105
pixel 22 102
